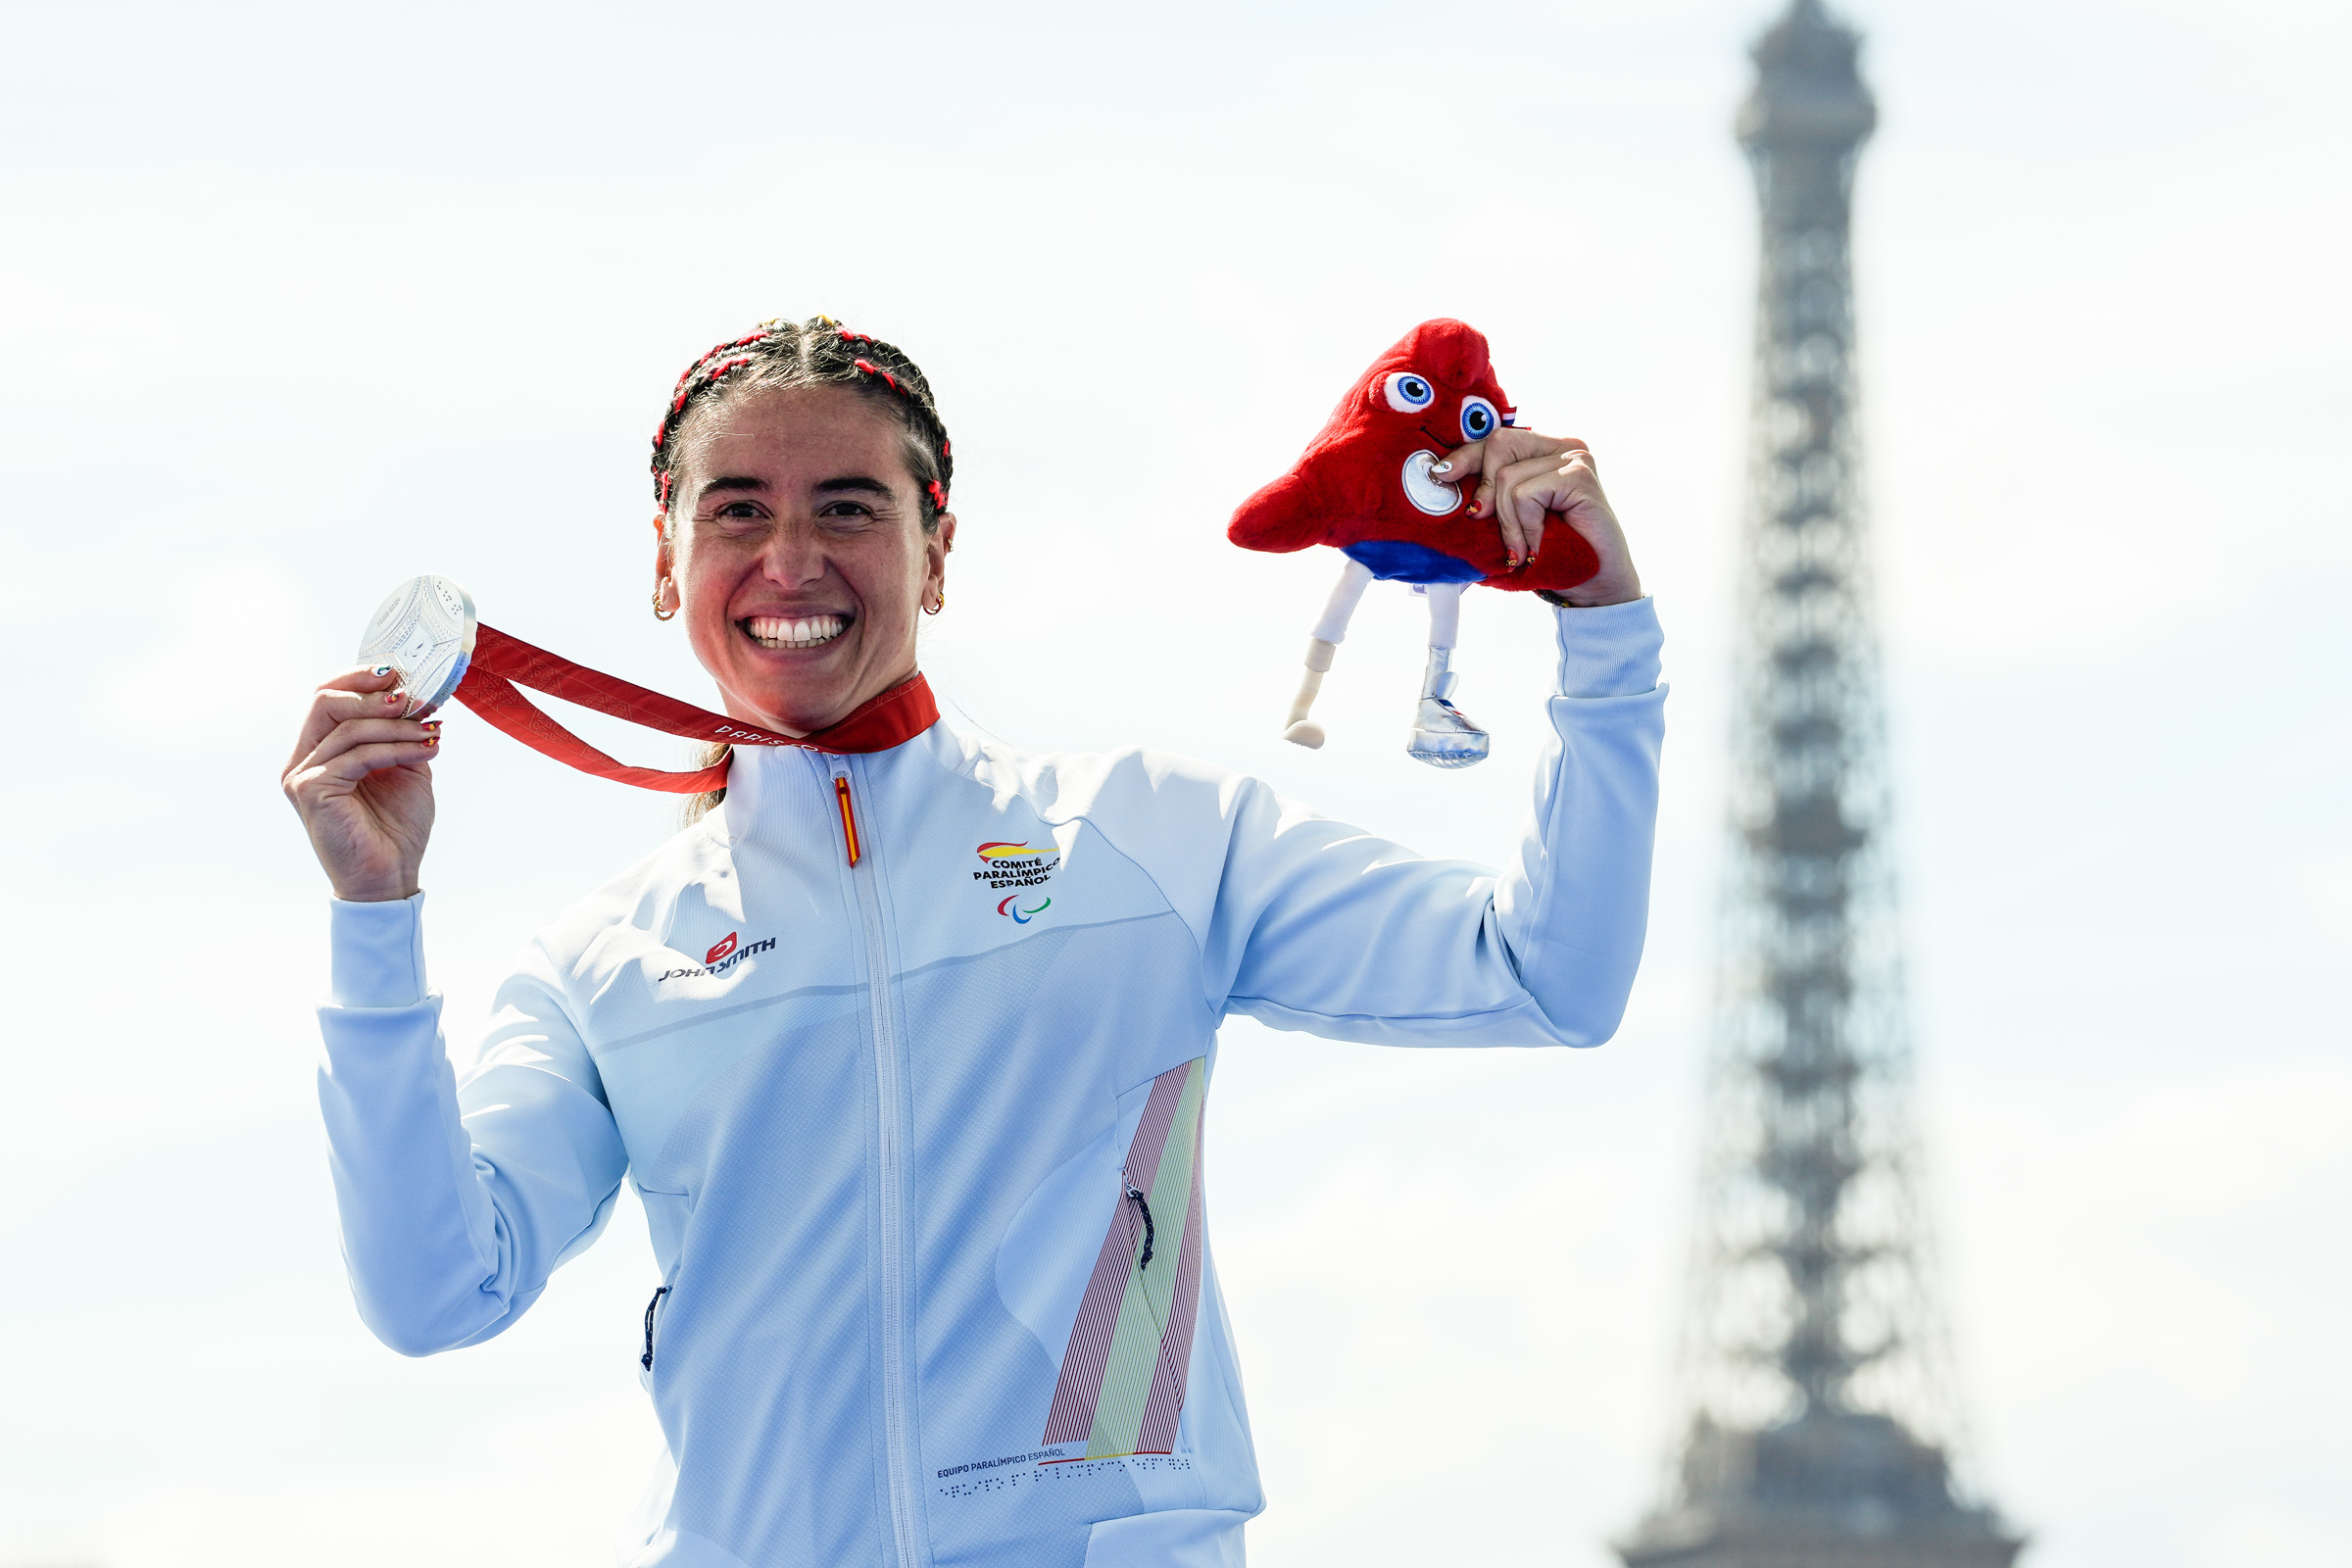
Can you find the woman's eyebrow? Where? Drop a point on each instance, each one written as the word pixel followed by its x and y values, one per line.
pixel 851 481
pixel 735 482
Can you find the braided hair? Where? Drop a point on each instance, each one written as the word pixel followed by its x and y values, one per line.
pixel 817 352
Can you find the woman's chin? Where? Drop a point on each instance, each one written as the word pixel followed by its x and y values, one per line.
pixel 799 689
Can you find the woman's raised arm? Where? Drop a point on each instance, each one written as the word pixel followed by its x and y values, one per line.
pixel 457 1198
pixel 1321 927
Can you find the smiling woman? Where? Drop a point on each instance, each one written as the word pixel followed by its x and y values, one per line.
pixel 801 474
pixel 907 1044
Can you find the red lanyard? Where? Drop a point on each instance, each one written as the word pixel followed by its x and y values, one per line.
pixel 502 663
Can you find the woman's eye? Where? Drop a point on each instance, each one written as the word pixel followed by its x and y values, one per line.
pixel 1408 393
pixel 1479 419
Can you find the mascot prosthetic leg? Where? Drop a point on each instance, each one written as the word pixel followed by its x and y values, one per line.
pixel 1443 734
pixel 1364 486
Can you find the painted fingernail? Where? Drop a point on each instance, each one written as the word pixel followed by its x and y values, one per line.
pixel 1440 467
pixel 391 697
pixel 433 727
pixel 381 670
pixel 433 740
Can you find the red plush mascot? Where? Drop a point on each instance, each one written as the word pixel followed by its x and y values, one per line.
pixel 1364 486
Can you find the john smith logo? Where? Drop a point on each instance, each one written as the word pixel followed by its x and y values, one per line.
pixel 1021 916
pixel 724 954
pixel 1005 866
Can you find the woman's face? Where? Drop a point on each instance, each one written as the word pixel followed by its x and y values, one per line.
pixel 798 556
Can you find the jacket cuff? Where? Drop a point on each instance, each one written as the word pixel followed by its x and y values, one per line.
pixel 1610 650
pixel 377 953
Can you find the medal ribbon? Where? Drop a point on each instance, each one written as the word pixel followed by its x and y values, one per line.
pixel 502 663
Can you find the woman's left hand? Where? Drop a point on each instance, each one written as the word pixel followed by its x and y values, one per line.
pixel 1522 476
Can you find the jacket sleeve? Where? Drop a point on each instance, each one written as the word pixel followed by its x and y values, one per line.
pixel 458 1199
pixel 1316 926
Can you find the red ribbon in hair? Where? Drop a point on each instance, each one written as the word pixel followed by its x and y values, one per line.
pixel 502 663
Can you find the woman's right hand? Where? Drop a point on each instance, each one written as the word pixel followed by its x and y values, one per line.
pixel 362 781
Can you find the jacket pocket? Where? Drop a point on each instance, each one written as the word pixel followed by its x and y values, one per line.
pixel 1123 1372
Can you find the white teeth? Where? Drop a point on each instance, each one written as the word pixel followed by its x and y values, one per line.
pixel 811 631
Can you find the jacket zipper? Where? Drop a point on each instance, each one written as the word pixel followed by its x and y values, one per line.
pixel 893 1155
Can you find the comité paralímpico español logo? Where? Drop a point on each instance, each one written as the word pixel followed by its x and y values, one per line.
pixel 1015 869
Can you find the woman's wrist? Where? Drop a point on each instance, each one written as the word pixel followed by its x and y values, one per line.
pixel 371 890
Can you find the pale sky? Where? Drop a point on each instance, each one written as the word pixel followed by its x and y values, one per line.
pixel 300 302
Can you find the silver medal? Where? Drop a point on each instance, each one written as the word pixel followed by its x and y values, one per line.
pixel 425 632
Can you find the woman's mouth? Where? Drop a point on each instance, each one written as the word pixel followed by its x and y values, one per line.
pixel 793 631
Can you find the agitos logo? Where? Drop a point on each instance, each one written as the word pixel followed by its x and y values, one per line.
pixel 724 954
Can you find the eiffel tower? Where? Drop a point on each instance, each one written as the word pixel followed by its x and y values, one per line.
pixel 1817 1392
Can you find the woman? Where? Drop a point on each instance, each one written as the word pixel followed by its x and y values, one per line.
pixel 904 1044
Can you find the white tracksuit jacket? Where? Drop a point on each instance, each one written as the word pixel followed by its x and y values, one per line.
pixel 919 1140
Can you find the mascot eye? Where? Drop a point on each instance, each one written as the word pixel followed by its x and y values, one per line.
pixel 1410 393
pixel 1479 420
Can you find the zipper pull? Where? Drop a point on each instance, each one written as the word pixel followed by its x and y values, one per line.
pixel 849 816
pixel 651 1307
pixel 1135 1195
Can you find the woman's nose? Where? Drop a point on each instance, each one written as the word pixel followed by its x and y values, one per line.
pixel 795 556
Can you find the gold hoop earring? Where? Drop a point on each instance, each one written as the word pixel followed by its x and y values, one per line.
pixel 658 612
